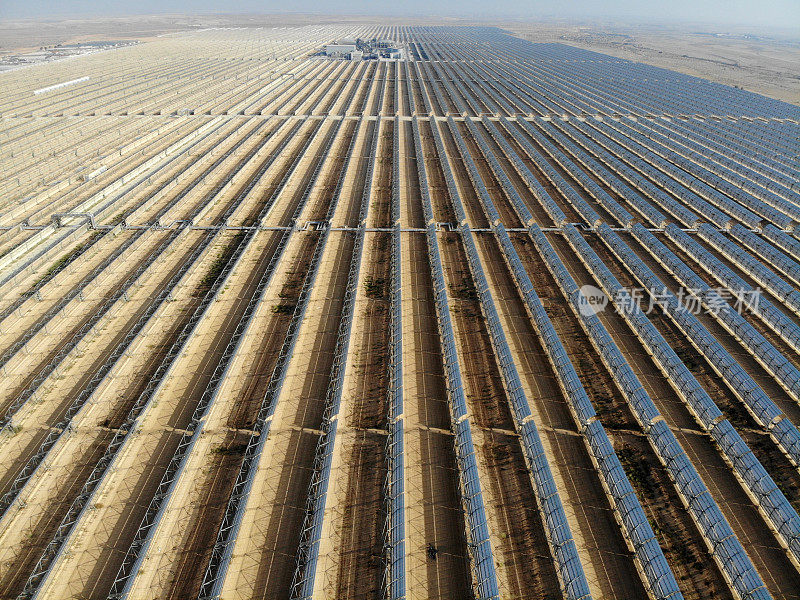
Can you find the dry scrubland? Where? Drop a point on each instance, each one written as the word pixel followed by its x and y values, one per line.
pixel 278 326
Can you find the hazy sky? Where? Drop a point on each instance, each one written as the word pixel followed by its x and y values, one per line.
pixel 784 13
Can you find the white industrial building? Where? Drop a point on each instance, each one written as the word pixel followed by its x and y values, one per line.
pixel 340 50
pixel 362 50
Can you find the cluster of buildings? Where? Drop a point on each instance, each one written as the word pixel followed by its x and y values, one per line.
pixel 359 49
pixel 58 51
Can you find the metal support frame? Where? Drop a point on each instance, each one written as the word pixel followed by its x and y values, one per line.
pixel 568 565
pixel 221 554
pixel 777 510
pixel 79 505
pixel 303 584
pixel 717 533
pixel 394 586
pixel 138 549
pixel 482 559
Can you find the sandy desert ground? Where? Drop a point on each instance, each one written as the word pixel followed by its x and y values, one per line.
pixel 765 62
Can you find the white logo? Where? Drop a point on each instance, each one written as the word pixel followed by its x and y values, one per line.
pixel 591 300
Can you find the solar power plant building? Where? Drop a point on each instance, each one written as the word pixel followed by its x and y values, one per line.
pixel 502 319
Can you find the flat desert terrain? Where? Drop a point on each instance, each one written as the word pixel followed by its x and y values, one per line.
pixel 763 62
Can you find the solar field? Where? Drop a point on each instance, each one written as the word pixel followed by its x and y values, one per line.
pixel 501 320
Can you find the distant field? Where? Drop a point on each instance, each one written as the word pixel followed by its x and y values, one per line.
pixel 765 64
pixel 768 64
pixel 24 35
